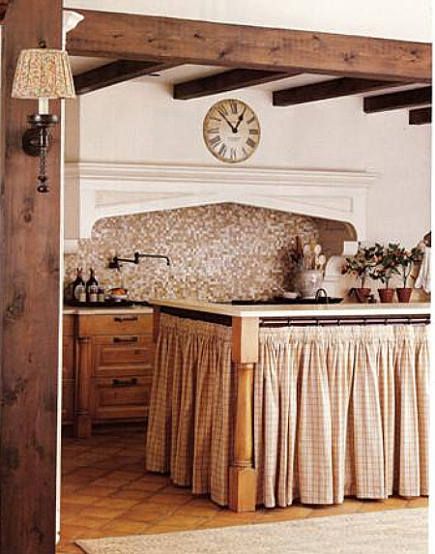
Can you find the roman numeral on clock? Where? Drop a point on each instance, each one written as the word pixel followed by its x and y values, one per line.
pixel 250 143
pixel 233 107
pixel 215 141
pixel 253 131
pixel 222 150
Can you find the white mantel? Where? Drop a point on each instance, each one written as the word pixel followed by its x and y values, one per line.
pixel 97 190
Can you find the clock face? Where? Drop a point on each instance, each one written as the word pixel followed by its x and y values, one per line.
pixel 231 131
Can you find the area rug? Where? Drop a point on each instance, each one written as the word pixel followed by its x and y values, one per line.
pixel 387 532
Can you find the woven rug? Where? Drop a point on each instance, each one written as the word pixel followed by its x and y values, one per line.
pixel 388 532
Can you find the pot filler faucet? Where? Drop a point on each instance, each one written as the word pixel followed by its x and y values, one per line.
pixel 116 263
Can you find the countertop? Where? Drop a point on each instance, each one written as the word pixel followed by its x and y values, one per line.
pixel 297 310
pixel 72 310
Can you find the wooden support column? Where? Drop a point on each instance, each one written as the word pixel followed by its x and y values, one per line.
pixel 82 421
pixel 243 476
pixel 30 291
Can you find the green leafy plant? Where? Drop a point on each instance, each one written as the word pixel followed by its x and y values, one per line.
pixel 360 265
pixel 405 260
pixel 387 263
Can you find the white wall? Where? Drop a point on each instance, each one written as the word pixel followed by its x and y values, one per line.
pixel 140 122
pixel 407 19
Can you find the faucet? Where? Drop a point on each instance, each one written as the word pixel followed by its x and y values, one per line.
pixel 115 262
pixel 322 293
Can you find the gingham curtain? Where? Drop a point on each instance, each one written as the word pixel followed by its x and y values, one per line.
pixel 189 426
pixel 341 411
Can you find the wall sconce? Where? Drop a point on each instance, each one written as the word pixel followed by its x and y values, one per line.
pixel 43 74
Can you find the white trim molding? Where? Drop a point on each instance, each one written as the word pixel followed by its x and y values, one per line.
pixel 95 190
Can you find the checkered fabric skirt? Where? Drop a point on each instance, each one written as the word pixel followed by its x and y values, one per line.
pixel 337 411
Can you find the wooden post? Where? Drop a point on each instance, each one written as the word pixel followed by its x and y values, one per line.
pixel 243 476
pixel 30 261
pixel 82 419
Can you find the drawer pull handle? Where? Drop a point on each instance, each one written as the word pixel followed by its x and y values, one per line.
pixel 124 383
pixel 123 319
pixel 125 339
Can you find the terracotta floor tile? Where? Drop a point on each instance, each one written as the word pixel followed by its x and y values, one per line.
pixel 103 512
pixel 107 492
pixel 124 528
pixel 78 498
pixel 172 499
pixel 117 503
pixel 96 491
pixel 132 494
pixel 285 514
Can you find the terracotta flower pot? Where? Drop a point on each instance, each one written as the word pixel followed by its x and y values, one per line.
pixel 386 295
pixel 404 294
pixel 362 294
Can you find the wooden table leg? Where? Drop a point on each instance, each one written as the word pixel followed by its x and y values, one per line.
pixel 243 476
pixel 82 419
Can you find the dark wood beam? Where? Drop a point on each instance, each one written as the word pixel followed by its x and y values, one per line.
pixel 29 301
pixel 396 100
pixel 228 80
pixel 325 90
pixel 115 72
pixel 145 37
pixel 421 116
pixel 3 9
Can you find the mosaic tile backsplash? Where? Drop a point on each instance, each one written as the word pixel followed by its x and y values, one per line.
pixel 218 252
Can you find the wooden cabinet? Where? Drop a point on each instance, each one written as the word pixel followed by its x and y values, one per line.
pixel 114 367
pixel 68 369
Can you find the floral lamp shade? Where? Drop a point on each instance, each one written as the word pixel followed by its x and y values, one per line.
pixel 43 73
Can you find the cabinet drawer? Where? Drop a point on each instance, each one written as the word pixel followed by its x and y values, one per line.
pixel 123 354
pixel 118 324
pixel 121 397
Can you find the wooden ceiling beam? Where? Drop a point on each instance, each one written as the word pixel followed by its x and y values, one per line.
pixel 396 100
pixel 226 81
pixel 145 37
pixel 421 116
pixel 325 90
pixel 115 72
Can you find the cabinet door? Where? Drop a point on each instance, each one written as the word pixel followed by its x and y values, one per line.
pixel 121 398
pixel 68 370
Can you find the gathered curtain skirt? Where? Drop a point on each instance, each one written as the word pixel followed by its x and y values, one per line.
pixel 341 411
pixel 338 411
pixel 190 419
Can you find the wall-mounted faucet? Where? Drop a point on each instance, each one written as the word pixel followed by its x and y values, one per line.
pixel 116 262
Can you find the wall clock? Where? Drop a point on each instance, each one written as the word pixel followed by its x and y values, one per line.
pixel 231 131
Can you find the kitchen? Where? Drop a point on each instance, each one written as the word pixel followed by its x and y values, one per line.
pixel 146 181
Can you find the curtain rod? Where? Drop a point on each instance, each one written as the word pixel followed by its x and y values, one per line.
pixel 411 319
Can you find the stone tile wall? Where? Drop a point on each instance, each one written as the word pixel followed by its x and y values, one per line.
pixel 218 252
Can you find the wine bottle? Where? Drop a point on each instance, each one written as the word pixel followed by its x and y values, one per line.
pixel 91 283
pixel 78 282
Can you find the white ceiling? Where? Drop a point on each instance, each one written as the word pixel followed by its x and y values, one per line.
pixel 189 72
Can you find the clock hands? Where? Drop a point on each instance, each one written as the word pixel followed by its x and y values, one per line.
pixel 233 129
pixel 241 116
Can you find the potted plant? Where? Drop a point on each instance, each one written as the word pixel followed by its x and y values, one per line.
pixel 360 266
pixel 385 269
pixel 405 260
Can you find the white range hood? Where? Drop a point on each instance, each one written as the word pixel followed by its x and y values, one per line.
pixel 97 190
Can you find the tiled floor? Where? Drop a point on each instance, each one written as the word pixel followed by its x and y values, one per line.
pixel 105 492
